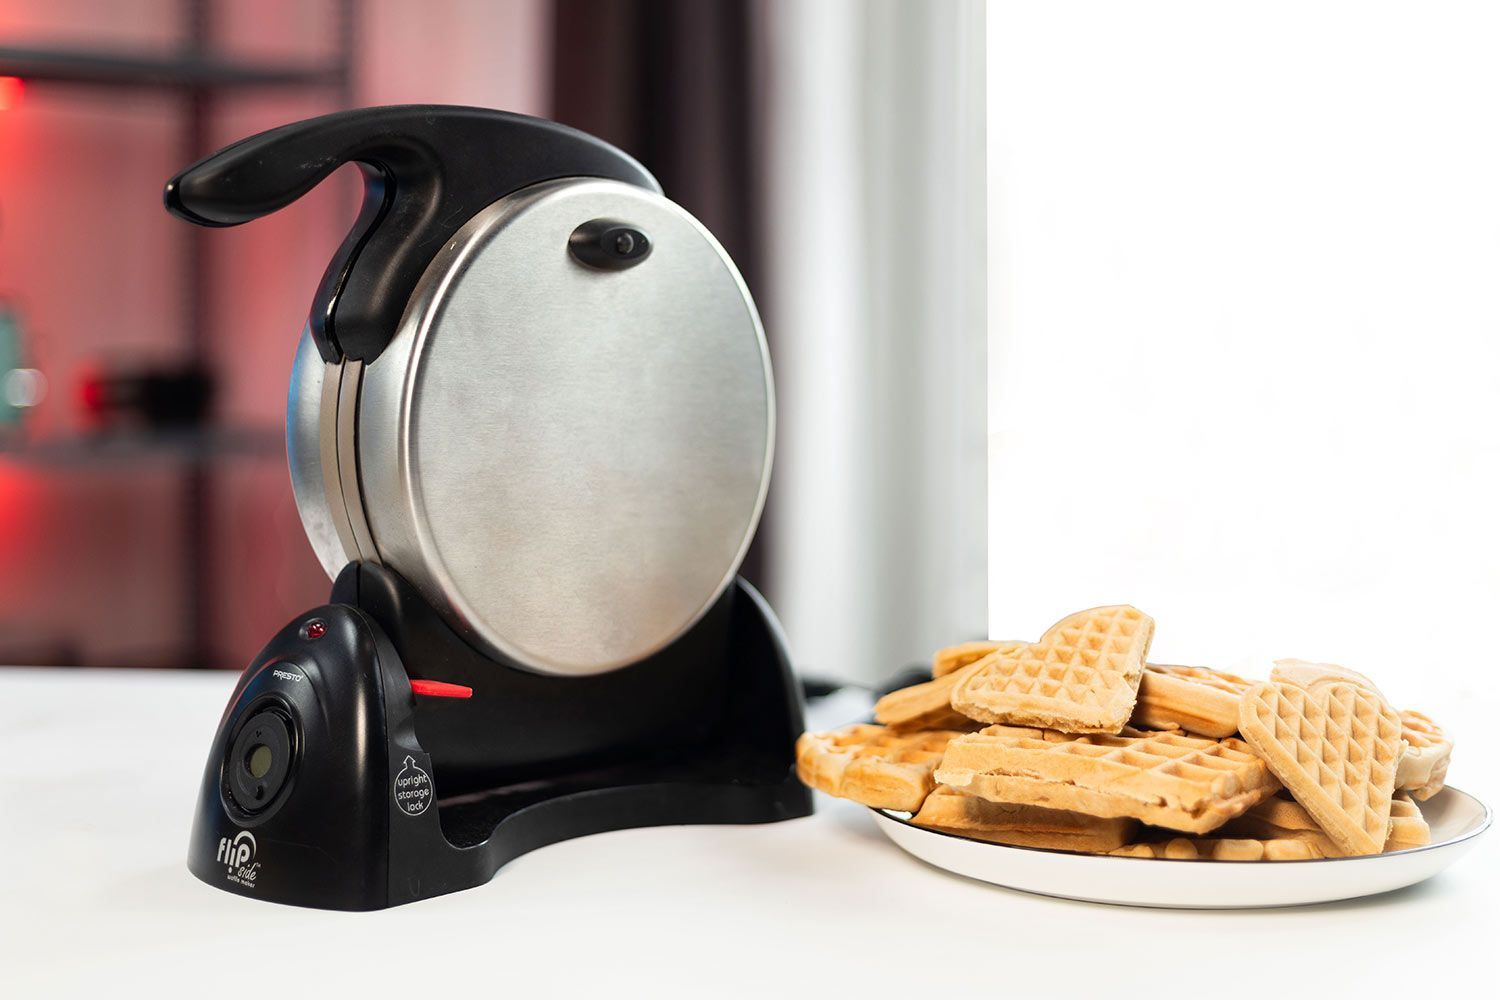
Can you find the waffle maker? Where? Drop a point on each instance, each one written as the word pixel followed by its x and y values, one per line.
pixel 529 431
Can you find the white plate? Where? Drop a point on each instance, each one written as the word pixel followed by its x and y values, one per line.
pixel 1457 819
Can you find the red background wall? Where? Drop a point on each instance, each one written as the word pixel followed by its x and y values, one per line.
pixel 90 559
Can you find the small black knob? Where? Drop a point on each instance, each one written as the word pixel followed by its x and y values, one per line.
pixel 609 245
pixel 260 760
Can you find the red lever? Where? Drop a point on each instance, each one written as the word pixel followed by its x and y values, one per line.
pixel 440 689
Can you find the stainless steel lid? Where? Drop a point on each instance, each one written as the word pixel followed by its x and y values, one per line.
pixel 568 462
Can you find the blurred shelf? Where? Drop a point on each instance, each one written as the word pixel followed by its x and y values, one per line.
pixel 117 69
pixel 130 447
pixel 197 76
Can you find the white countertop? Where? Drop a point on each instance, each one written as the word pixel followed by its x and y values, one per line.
pixel 100 770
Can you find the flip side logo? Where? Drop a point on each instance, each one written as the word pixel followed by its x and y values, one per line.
pixel 237 855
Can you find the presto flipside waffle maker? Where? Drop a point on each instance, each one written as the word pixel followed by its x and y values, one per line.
pixel 529 430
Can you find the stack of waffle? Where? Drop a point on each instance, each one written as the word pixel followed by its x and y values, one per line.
pixel 1077 743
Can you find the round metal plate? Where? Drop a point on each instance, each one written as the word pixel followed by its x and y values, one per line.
pixel 570 462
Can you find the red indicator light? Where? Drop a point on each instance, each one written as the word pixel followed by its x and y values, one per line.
pixel 315 629
pixel 10 92
pixel 440 689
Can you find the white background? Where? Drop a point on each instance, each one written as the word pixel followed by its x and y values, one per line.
pixel 874 266
pixel 1245 334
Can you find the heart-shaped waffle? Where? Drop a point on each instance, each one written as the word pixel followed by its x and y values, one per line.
pixel 950 658
pixel 1080 678
pixel 1335 749
pixel 1310 675
pixel 1424 766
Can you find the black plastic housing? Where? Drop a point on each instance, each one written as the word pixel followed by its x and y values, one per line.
pixel 369 815
pixel 428 169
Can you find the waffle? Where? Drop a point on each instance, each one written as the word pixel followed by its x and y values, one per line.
pixel 1280 818
pixel 871 764
pixel 1336 749
pixel 1284 819
pixel 1424 766
pixel 1081 677
pixel 926 705
pixel 1195 699
pixel 1167 779
pixel 1223 849
pixel 1306 674
pixel 954 812
pixel 951 658
pixel 1408 827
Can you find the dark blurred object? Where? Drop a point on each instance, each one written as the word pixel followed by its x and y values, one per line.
pixel 150 397
pixel 818 687
pixel 128 68
pixel 671 82
pixel 132 450
pixel 916 673
pixel 814 688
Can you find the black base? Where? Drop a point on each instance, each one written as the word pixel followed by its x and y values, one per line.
pixel 341 810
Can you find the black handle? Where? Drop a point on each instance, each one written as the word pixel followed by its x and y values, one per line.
pixel 428 169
